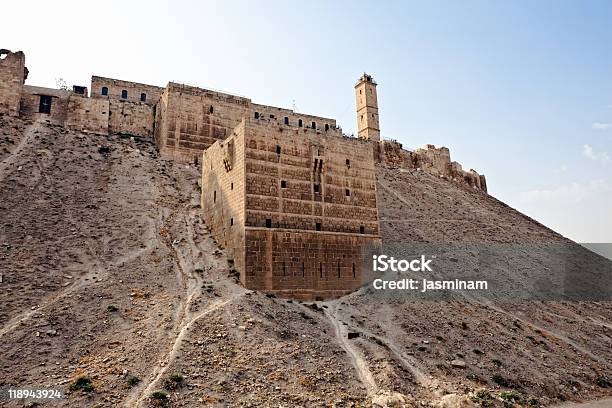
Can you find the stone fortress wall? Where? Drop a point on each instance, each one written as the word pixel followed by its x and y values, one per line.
pixel 294 207
pixel 288 195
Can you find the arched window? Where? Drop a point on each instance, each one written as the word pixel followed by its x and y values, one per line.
pixel 143 97
pixel 124 94
pixel 104 91
pixel 326 127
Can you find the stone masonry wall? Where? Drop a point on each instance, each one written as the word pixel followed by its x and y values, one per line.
pixel 87 114
pixel 134 90
pixel 286 167
pixel 305 264
pixel 191 119
pixel 12 76
pixel 133 118
pixel 223 190
pixel 310 209
pixel 30 104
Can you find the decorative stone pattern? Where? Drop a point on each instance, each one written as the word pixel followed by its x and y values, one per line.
pixel 12 76
pixel 294 206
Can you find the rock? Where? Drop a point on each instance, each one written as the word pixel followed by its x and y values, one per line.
pixel 457 363
pixel 453 401
pixel 389 399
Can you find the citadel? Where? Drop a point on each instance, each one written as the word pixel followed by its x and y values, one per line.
pixel 289 196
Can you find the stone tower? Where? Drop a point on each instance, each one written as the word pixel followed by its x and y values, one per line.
pixel 368 127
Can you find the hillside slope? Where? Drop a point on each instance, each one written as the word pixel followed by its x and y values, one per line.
pixel 109 273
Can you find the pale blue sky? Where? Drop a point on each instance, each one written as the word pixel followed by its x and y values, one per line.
pixel 518 90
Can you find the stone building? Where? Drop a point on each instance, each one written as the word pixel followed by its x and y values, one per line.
pixel 291 198
pixel 295 207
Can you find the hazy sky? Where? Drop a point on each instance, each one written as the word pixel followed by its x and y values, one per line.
pixel 518 90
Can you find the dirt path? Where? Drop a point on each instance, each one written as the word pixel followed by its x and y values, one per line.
pixel 162 366
pixel 360 364
pixel 10 159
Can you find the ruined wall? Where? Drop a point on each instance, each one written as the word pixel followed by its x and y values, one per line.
pixel 134 90
pixel 133 118
pixel 12 76
pixel 87 114
pixel 436 161
pixel 30 104
pixel 222 199
pixel 191 119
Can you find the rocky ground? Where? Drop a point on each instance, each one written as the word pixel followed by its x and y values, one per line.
pixel 114 292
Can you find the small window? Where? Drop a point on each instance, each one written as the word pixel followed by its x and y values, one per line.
pixel 143 97
pixel 318 226
pixel 303 270
pixel 232 186
pixel 268 222
pixel 256 115
pixel 362 118
pixel 286 120
pixel 278 149
pixel 317 188
pixel 124 94
pixel 347 192
pixel 104 91
pixel 271 116
pixel 354 270
pixel 362 229
pixel 214 196
pixel 320 269
pixel 211 109
pixel 44 105
pixel 300 123
pixel 78 89
pixel 231 221
pixel 338 268
pixel 326 127
pixel 348 163
pixel 284 269
pixel 360 92
pixel 313 125
pixel 283 184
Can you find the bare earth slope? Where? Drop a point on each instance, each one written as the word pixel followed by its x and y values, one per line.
pixel 109 273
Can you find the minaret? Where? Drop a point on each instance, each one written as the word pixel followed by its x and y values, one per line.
pixel 368 127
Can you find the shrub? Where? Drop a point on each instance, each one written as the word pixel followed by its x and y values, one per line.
pixel 82 383
pixel 159 397
pixel 500 380
pixel 132 380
